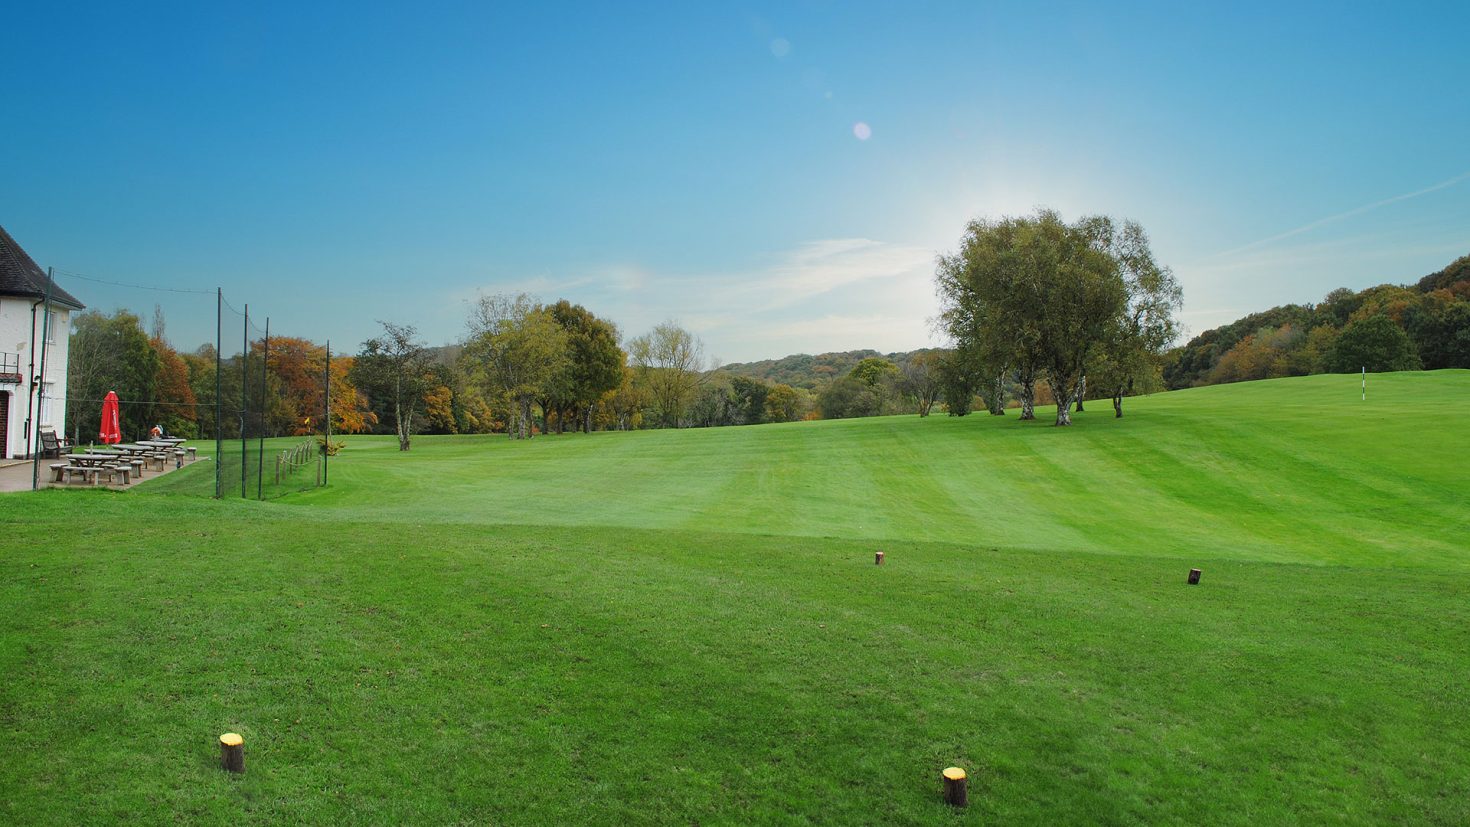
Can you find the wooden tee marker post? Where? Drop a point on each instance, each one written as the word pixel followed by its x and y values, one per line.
pixel 956 793
pixel 1194 577
pixel 877 558
pixel 232 752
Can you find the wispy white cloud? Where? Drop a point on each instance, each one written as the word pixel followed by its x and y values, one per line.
pixel 820 267
pixel 1273 263
pixel 822 295
pixel 1356 211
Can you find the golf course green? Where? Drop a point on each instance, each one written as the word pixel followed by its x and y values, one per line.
pixel 663 627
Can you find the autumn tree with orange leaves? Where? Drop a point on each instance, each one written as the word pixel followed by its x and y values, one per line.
pixel 297 367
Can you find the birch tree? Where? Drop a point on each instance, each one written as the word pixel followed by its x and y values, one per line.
pixel 1081 296
pixel 1132 349
pixel 992 297
pixel 919 380
pixel 670 363
pixel 397 365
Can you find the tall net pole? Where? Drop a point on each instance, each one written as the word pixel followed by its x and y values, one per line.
pixel 244 397
pixel 219 419
pixel 327 405
pixel 265 358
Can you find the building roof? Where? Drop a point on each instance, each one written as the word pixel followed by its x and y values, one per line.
pixel 21 276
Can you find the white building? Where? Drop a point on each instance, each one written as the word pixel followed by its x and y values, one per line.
pixel 22 320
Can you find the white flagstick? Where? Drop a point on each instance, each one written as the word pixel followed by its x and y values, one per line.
pixel 1365 383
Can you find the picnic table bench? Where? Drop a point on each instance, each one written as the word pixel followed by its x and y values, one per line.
pixel 52 445
pixel 91 467
pixel 139 455
pixel 171 448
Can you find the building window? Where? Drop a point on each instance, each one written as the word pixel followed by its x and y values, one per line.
pixel 47 403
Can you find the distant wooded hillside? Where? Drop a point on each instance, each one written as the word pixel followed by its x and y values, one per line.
pixel 1389 327
pixel 803 370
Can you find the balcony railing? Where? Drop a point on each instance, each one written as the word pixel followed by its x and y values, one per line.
pixel 9 368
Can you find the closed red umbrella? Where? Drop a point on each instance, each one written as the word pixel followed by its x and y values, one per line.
pixel 111 431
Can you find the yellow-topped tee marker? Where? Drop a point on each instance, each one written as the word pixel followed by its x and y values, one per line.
pixel 232 752
pixel 955 792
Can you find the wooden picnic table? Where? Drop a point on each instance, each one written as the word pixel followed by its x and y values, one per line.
pixel 93 465
pixel 91 459
pixel 136 455
pixel 142 451
pixel 166 447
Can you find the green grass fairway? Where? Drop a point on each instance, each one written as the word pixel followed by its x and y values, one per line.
pixel 687 627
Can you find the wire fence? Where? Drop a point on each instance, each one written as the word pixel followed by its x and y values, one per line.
pixel 263 401
pixel 266 416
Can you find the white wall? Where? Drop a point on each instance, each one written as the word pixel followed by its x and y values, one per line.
pixel 15 338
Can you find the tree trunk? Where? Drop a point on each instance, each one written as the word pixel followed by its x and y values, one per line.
pixel 398 412
pixel 1081 392
pixel 545 415
pixel 527 424
pixel 587 420
pixel 1063 391
pixel 1028 396
pixel 1118 398
pixel 399 427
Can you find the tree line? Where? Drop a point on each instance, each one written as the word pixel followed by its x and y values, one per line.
pixel 1389 327
pixel 525 367
pixel 522 368
pixel 1038 311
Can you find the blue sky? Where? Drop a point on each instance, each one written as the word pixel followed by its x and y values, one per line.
pixel 336 164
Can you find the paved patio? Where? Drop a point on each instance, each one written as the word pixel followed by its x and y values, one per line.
pixel 15 475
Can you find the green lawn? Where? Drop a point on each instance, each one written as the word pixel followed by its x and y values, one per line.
pixel 682 627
